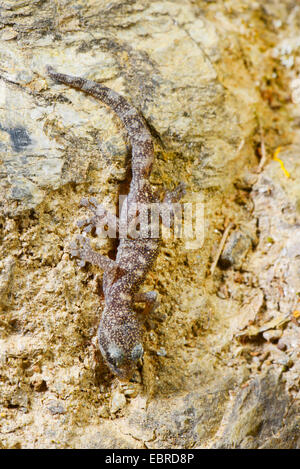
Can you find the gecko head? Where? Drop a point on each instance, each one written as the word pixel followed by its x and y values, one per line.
pixel 121 347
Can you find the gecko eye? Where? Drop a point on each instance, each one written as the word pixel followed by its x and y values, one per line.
pixel 115 355
pixel 137 352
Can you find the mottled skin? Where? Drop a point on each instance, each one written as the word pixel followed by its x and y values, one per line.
pixel 120 331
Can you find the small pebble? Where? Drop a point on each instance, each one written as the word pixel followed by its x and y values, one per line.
pixel 39 385
pixel 248 180
pixel 56 408
pixel 223 292
pixel 281 345
pixel 161 352
pixel 286 362
pixel 118 401
pixel 235 250
pixel 103 411
pixel 136 377
pixel 8 35
pixel 272 335
pixel 129 390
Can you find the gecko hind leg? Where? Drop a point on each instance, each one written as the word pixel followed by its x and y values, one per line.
pixel 149 298
pixel 169 209
pixel 81 248
pixel 176 194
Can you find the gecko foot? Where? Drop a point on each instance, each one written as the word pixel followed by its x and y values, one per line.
pixel 170 209
pixel 90 203
pixel 105 223
pixel 87 224
pixel 176 194
pixel 78 248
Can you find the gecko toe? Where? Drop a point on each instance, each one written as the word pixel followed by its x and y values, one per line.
pixel 87 224
pixel 81 262
pixel 80 223
pixel 88 228
pixel 90 203
pixel 83 241
pixel 73 249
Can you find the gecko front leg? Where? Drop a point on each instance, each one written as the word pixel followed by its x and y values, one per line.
pixel 81 248
pixel 176 194
pixel 105 223
pixel 170 210
pixel 149 298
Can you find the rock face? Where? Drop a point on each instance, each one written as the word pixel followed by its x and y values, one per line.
pixel 217 85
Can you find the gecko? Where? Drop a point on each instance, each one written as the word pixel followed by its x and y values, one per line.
pixel 120 333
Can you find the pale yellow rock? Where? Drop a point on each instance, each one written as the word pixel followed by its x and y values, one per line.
pixel 216 82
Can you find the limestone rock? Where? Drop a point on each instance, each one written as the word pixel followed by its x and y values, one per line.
pixel 217 85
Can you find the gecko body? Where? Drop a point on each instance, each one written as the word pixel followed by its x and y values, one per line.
pixel 120 330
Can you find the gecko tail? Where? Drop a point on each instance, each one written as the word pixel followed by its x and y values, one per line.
pixel 138 132
pixel 74 82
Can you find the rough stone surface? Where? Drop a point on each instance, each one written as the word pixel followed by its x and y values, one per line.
pixel 217 84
